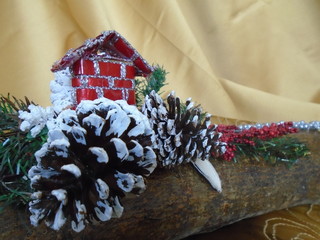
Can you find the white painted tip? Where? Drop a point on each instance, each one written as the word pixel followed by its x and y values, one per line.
pixel 206 169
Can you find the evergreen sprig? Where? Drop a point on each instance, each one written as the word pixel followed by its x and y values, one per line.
pixel 282 149
pixel 272 143
pixel 155 81
pixel 9 107
pixel 16 151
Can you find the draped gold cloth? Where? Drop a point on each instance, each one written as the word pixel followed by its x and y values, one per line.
pixel 255 60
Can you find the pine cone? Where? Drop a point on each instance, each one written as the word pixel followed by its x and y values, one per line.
pixel 180 135
pixel 94 156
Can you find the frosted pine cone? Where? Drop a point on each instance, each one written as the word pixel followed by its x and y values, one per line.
pixel 93 157
pixel 180 135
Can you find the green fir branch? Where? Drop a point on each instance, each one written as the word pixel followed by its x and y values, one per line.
pixel 16 151
pixel 9 121
pixel 155 81
pixel 283 149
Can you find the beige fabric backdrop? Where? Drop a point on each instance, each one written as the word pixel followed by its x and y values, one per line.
pixel 255 60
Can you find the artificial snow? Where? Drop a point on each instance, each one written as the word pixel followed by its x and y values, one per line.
pixel 103 211
pixel 125 181
pixel 102 155
pixel 56 134
pixel 72 168
pixel 36 213
pixel 79 134
pixel 94 121
pixel 121 148
pixel 60 194
pixel 80 215
pixel 136 151
pixel 41 152
pixel 59 219
pixel 59 143
pixel 102 188
pixel 35 119
pixel 171 127
pixel 119 122
pixel 62 91
pixel 117 208
pixel 139 184
pixel 138 129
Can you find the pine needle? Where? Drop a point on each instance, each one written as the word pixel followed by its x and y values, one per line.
pixel 155 81
pixel 16 151
pixel 282 149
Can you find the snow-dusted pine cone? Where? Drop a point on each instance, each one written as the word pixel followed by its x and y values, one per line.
pixel 93 157
pixel 180 135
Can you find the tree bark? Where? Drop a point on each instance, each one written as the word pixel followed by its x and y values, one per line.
pixel 179 202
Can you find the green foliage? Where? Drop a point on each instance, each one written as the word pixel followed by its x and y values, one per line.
pixel 155 81
pixel 283 149
pixel 16 152
pixel 9 107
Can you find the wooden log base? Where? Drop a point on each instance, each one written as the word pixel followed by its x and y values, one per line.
pixel 179 202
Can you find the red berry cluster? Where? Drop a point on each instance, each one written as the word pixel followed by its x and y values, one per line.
pixel 234 136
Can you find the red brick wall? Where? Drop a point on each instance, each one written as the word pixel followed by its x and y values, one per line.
pixel 111 79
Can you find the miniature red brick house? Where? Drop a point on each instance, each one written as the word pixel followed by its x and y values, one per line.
pixel 104 67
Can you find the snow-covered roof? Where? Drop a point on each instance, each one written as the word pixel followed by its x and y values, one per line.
pixel 110 44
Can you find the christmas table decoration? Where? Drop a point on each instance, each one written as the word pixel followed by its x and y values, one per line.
pixel 111 156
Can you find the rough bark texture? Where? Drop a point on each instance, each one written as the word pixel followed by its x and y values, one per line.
pixel 179 202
